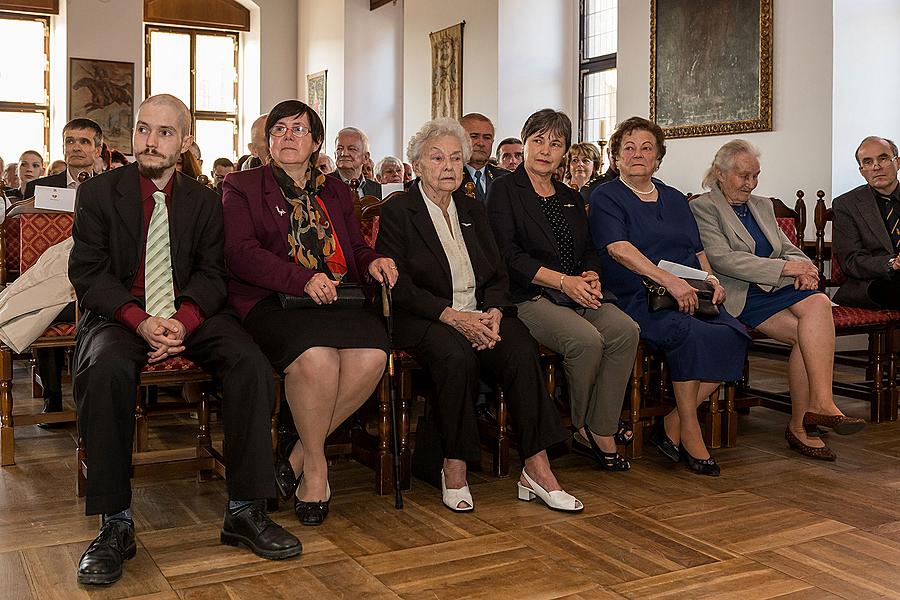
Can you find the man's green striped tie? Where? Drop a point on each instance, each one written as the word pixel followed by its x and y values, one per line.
pixel 159 291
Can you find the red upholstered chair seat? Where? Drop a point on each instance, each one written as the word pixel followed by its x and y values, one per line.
pixel 13 242
pixel 846 316
pixel 369 228
pixel 39 232
pixel 176 363
pixel 837 276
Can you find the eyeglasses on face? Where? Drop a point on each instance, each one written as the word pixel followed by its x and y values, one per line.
pixel 296 130
pixel 881 161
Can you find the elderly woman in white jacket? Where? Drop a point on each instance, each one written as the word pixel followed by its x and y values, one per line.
pixel 772 286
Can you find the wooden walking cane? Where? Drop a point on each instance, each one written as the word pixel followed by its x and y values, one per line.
pixel 387 311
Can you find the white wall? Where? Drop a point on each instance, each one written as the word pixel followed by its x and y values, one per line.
pixel 321 46
pixel 797 153
pixel 866 81
pixel 480 56
pixel 537 44
pixel 373 69
pixel 278 37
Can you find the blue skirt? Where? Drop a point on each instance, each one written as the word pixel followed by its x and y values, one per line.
pixel 762 305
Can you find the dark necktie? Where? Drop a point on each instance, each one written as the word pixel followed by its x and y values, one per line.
pixel 479 193
pixel 892 220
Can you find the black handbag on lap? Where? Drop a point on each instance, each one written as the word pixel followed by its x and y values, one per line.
pixel 659 298
pixel 559 298
pixel 349 295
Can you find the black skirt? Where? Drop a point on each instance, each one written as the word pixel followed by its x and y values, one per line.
pixel 284 334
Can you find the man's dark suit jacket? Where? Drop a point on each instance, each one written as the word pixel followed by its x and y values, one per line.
pixel 425 288
pixel 861 243
pixel 58 181
pixel 370 187
pixel 524 235
pixel 587 190
pixel 109 243
pixel 491 173
pixel 256 233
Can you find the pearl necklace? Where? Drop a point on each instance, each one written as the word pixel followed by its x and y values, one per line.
pixel 637 191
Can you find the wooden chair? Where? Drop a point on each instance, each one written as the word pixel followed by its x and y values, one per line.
pixel 38 231
pixel 879 388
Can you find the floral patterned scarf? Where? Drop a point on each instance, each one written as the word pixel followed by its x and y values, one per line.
pixel 311 236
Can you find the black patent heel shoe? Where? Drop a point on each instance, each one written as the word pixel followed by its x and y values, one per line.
pixel 312 513
pixel 706 466
pixel 660 439
pixel 608 461
pixel 285 479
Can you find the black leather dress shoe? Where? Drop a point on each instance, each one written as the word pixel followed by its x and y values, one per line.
pixel 101 563
pixel 251 526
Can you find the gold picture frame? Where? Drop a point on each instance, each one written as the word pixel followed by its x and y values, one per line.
pixel 447 72
pixel 103 90
pixel 711 66
pixel 317 94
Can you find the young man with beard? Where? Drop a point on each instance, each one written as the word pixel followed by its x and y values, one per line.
pixel 149 270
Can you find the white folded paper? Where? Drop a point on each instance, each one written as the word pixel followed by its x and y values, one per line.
pixel 54 198
pixel 389 188
pixel 682 271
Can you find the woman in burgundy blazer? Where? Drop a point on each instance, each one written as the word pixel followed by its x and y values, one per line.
pixel 291 230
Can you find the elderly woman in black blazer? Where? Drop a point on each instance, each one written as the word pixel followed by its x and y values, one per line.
pixel 455 317
pixel 542 231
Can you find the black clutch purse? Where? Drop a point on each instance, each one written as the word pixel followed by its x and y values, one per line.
pixel 349 295
pixel 659 298
pixel 559 298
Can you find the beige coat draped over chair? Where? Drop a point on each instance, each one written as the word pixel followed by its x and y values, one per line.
pixel 730 247
pixel 31 302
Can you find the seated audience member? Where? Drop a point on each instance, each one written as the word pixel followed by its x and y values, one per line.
pixel 509 153
pixel 257 144
pixel 82 142
pixel 369 169
pixel 636 221
pixel 56 167
pixel 240 163
pixel 290 230
pixel 11 177
pixel 455 316
pixel 555 283
pixel 351 151
pixel 29 168
pixel 389 170
pixel 582 163
pixel 478 171
pixel 195 150
pixel 407 173
pixel 188 164
pixel 325 164
pixel 608 175
pixel 143 303
pixel 221 168
pixel 772 286
pixel 866 232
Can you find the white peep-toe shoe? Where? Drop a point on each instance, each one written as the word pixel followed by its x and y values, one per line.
pixel 453 496
pixel 557 499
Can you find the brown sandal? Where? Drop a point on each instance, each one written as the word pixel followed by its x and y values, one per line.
pixel 823 453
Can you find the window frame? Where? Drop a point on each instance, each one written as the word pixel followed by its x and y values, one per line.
pixel 31 107
pixel 201 115
pixel 588 66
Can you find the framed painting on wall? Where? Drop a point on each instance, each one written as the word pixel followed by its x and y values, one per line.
pixel 447 72
pixel 711 66
pixel 316 90
pixel 103 90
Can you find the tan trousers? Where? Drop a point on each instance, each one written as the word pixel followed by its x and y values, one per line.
pixel 598 348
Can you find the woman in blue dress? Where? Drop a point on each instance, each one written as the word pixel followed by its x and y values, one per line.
pixel 636 221
pixel 772 287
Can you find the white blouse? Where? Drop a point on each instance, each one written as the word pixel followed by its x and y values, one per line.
pixel 454 244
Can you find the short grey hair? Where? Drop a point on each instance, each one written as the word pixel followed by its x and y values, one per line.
pixel 875 138
pixel 724 160
pixel 387 160
pixel 357 132
pixel 437 128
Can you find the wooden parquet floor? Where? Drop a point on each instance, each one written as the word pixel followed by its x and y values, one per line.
pixel 774 525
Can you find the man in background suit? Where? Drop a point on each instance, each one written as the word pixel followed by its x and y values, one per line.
pixel 866 234
pixel 478 171
pixel 611 173
pixel 148 267
pixel 351 151
pixel 82 142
